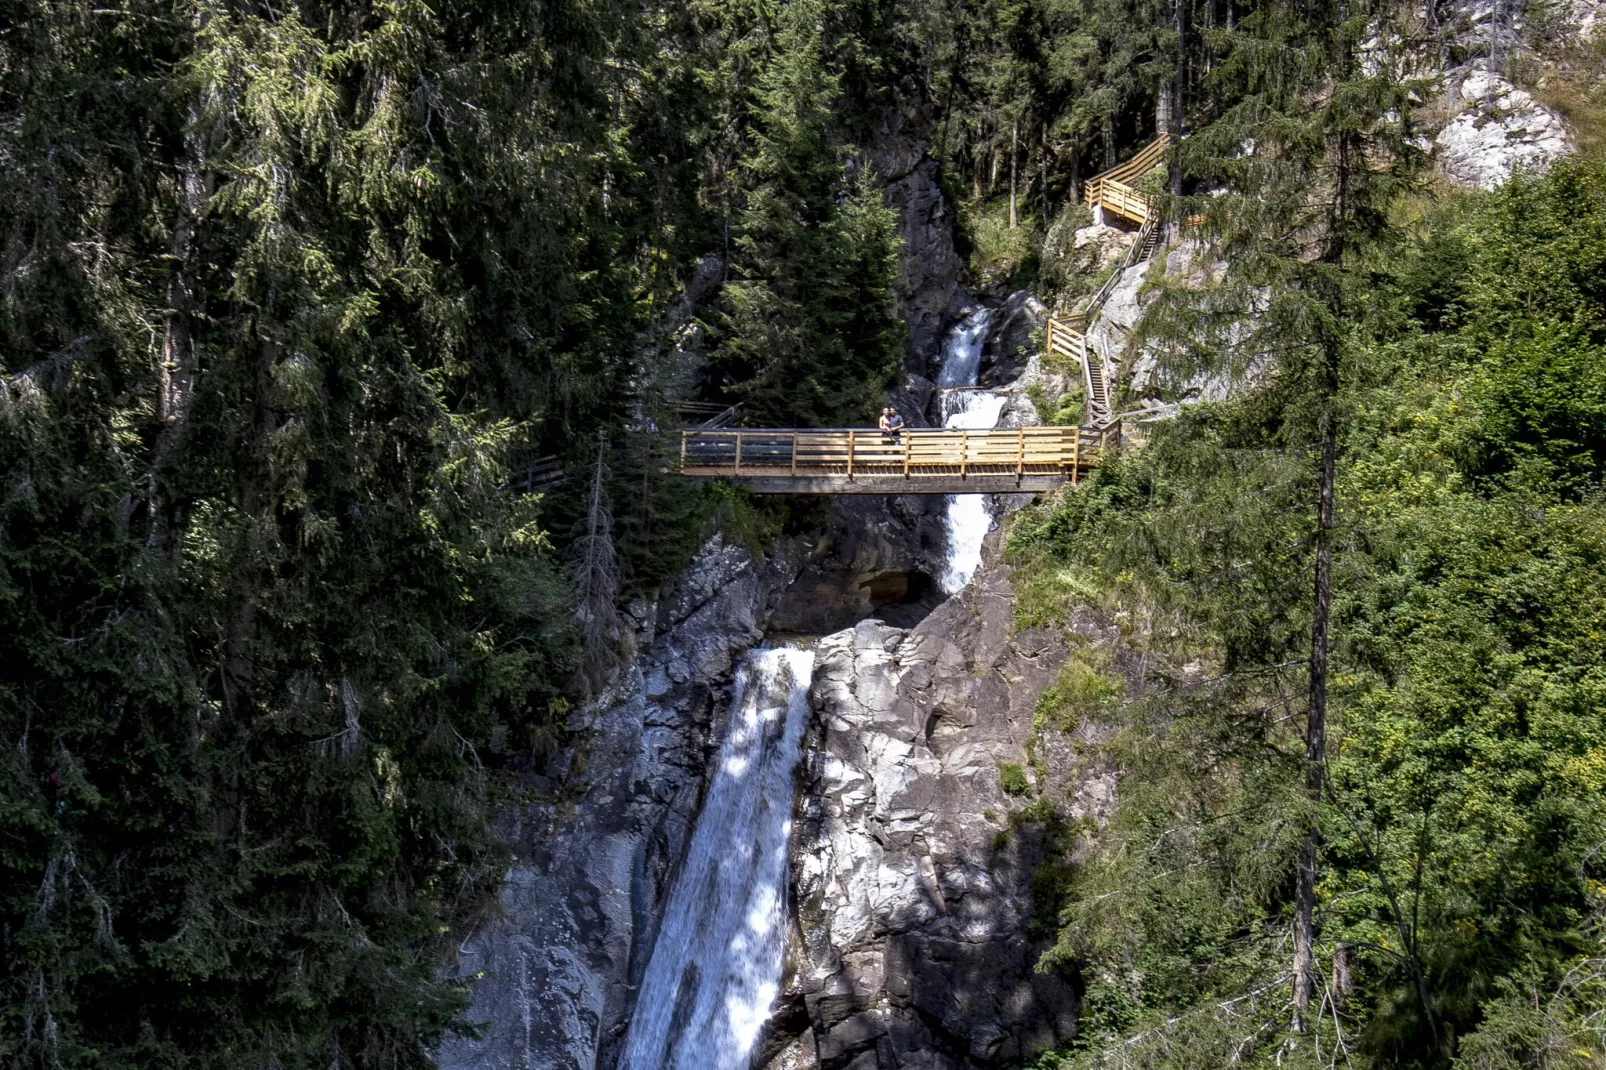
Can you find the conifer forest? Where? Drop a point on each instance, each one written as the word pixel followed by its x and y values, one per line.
pixel 376 693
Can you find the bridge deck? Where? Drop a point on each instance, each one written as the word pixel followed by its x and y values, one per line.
pixel 918 461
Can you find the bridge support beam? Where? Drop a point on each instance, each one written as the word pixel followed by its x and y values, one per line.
pixel 983 484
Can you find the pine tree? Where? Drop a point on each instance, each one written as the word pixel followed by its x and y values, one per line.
pixel 1303 134
pixel 809 334
pixel 306 281
pixel 1329 149
pixel 595 566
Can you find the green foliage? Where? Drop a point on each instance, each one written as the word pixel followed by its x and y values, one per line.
pixel 808 337
pixel 1080 694
pixel 294 294
pixel 1067 411
pixel 1012 778
pixel 1461 816
pixel 1000 254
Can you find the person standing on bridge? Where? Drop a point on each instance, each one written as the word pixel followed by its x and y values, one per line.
pixel 891 423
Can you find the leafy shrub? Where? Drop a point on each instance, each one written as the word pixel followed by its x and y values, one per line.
pixel 1012 778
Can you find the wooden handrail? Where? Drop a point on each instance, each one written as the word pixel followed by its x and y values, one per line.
pixel 1146 160
pixel 853 453
pixel 1068 334
pixel 1116 189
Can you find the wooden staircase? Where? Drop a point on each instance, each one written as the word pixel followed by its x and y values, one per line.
pixel 1111 193
pixel 1067 335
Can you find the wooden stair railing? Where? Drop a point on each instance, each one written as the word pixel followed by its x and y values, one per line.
pixel 1116 190
pixel 1067 335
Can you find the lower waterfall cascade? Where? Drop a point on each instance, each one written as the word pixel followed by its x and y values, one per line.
pixel 968 518
pixel 716 967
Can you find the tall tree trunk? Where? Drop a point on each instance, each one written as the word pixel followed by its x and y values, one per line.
pixel 1316 716
pixel 1179 15
pixel 596 579
pixel 176 374
pixel 1076 172
pixel 1316 725
pixel 1343 977
pixel 177 367
pixel 1014 146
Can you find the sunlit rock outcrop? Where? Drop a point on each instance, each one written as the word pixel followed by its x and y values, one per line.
pixel 916 943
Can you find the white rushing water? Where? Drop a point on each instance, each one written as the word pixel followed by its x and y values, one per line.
pixel 968 519
pixel 961 353
pixel 716 968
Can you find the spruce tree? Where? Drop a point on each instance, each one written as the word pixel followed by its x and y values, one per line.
pixel 808 337
pixel 291 288
pixel 1313 151
pixel 1224 531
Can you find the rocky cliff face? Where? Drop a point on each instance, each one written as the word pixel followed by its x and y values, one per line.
pixel 1494 126
pixel 580 905
pixel 875 557
pixel 1497 129
pixel 912 864
pixel 927 293
pixel 913 858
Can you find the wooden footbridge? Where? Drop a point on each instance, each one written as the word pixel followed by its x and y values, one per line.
pixel 918 461
pixel 942 461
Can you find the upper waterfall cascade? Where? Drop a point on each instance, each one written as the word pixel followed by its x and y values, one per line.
pixel 968 518
pixel 961 353
pixel 716 968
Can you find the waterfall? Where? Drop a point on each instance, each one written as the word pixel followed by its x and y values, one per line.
pixel 716 968
pixel 968 519
pixel 961 353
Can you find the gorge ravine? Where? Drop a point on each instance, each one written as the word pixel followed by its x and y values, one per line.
pixel 907 941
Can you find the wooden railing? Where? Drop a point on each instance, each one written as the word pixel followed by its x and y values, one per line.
pixel 1145 160
pixel 918 454
pixel 1116 190
pixel 1125 201
pixel 1067 335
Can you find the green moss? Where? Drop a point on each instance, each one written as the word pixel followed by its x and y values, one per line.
pixel 1012 778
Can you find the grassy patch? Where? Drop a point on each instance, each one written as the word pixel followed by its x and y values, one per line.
pixel 1081 693
pixel 1065 411
pixel 1012 778
pixel 1048 588
pixel 999 253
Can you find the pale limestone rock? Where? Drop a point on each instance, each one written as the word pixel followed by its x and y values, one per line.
pixel 1499 129
pixel 912 946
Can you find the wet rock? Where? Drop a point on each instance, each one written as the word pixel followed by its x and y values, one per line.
pixel 555 973
pixel 1010 344
pixel 916 400
pixel 930 272
pixel 880 558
